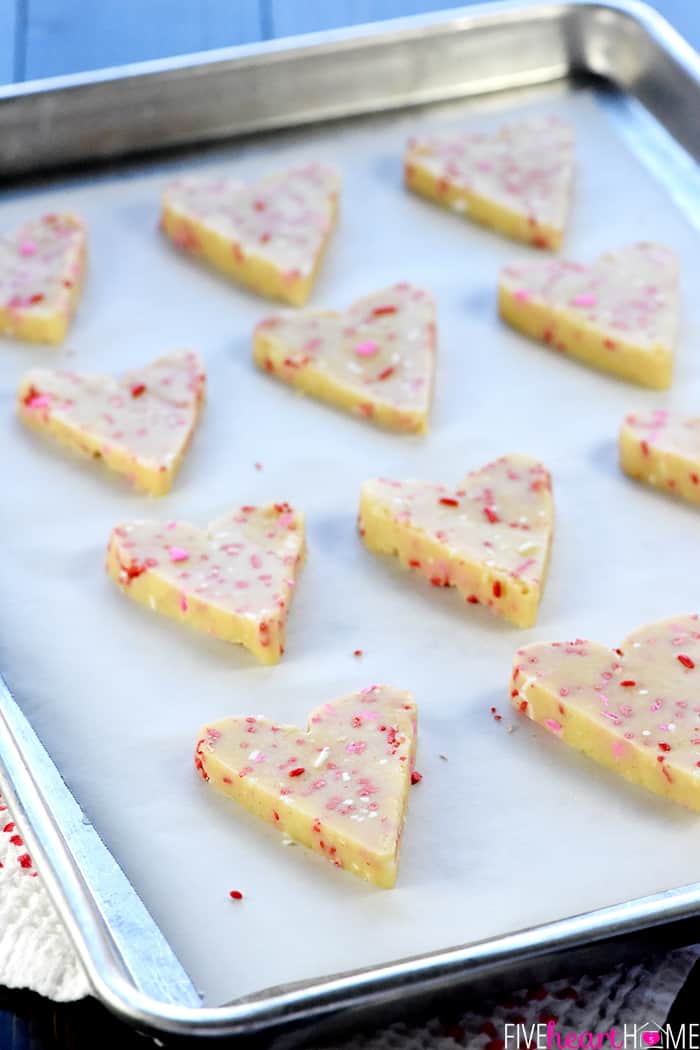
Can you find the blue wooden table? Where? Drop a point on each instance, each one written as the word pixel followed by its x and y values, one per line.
pixel 42 38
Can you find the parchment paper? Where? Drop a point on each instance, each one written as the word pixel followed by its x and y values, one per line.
pixel 513 828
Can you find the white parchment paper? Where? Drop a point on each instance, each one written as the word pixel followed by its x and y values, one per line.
pixel 513 829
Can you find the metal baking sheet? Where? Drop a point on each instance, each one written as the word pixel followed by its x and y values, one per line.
pixel 511 831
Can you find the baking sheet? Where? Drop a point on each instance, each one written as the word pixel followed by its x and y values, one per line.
pixel 512 829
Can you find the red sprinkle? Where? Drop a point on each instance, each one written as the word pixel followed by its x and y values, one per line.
pixel 134 570
pixel 663 746
pixel 686 661
pixel 297 772
pixel 24 860
pixel 38 298
pixel 628 682
pixel 472 599
pixel 497 589
pixel 386 373
pixel 198 761
pixel 31 396
pixel 236 895
pixel 382 311
pixel 447 501
pixel 357 652
pixel 491 515
pixel 416 777
pixel 138 389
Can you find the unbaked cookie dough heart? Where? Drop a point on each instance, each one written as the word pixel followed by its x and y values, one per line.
pixel 517 181
pixel 234 579
pixel 663 450
pixel 340 787
pixel 489 537
pixel 635 710
pixel 139 426
pixel 269 235
pixel 41 272
pixel 619 315
pixel 375 360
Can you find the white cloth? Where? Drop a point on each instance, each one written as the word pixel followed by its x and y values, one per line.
pixel 34 948
pixel 36 953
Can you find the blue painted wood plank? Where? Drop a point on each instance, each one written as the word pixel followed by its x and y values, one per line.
pixel 67 36
pixel 683 15
pixel 8 29
pixel 289 17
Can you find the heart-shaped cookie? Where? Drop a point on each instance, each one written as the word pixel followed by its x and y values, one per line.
pixel 41 273
pixel 340 787
pixel 517 181
pixel 139 426
pixel 663 450
pixel 234 580
pixel 269 235
pixel 489 537
pixel 636 709
pixel 375 360
pixel 619 315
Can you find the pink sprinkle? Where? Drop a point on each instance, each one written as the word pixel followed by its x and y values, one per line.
pixel 522 295
pixel 586 299
pixel 256 561
pixel 40 401
pixel 183 603
pixel 367 349
pixel 356 747
pixel 178 554
pixel 27 248
pixel 552 724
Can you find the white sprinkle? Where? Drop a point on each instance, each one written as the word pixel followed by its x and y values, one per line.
pixel 322 757
pixel 527 548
